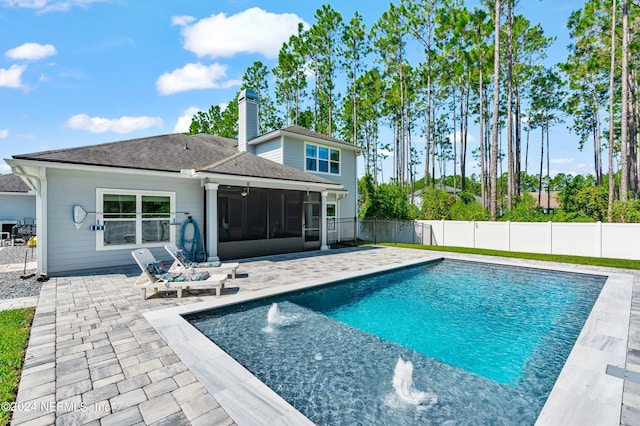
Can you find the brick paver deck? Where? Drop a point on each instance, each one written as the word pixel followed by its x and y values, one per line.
pixel 94 359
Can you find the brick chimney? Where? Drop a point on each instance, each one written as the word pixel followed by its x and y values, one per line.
pixel 247 119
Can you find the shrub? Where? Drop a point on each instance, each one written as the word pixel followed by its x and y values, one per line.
pixel 626 211
pixel 436 204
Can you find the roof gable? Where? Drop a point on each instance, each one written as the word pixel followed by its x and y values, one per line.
pixel 12 183
pixel 305 133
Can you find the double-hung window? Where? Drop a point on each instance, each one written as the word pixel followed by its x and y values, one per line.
pixel 322 159
pixel 134 218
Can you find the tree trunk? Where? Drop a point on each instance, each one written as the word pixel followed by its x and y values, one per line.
pixel 541 163
pixel 510 164
pixel 483 171
pixel 518 154
pixel 612 73
pixel 624 128
pixel 496 111
pixel 464 124
pixel 455 143
pixel 548 176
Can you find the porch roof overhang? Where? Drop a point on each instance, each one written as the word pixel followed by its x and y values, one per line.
pixel 260 182
pixel 24 167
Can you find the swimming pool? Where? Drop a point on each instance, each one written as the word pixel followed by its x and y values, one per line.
pixel 459 373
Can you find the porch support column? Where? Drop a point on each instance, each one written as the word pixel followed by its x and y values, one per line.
pixel 323 221
pixel 212 221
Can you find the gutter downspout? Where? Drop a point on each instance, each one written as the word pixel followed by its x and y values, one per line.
pixel 41 209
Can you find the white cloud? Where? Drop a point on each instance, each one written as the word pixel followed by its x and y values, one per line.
pixel 193 77
pixel 470 138
pixel 12 77
pixel 49 5
pixel 119 125
pixel 251 31
pixel 31 51
pixel 4 133
pixel 29 4
pixel 4 168
pixel 182 20
pixel 184 121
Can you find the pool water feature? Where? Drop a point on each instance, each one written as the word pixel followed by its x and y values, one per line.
pixel 488 342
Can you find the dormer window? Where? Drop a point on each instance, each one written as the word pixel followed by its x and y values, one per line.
pixel 322 159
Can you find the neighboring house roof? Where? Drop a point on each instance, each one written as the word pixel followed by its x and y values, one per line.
pixel 13 183
pixel 544 200
pixel 173 153
pixel 301 131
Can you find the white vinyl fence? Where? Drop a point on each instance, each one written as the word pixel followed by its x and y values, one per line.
pixel 612 240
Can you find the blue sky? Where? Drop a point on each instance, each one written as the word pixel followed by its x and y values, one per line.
pixel 80 72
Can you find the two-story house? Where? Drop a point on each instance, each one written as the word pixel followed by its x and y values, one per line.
pixel 258 195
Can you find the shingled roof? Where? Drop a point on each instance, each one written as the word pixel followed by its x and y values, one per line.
pixel 12 183
pixel 164 153
pixel 246 164
pixel 174 153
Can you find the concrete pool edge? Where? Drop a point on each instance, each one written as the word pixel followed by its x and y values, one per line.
pixel 247 400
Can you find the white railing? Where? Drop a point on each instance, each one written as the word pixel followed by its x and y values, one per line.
pixel 612 240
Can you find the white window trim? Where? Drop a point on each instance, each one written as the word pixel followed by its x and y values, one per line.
pixel 318 159
pixel 335 218
pixel 100 246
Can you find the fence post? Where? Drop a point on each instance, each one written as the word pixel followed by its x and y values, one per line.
pixel 395 231
pixel 598 239
pixel 550 249
pixel 355 231
pixel 413 233
pixel 375 230
pixel 473 231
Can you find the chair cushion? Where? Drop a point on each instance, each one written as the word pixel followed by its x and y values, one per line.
pixel 204 264
pixel 178 255
pixel 183 276
pixel 156 268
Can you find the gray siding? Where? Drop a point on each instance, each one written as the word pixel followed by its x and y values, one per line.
pixel 271 150
pixel 349 178
pixel 71 249
pixel 293 156
pixel 293 153
pixel 15 207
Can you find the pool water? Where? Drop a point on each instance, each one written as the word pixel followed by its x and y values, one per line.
pixel 486 342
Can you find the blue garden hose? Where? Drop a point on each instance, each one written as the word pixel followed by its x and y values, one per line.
pixel 191 248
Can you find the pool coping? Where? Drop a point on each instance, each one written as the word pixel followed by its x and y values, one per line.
pixel 583 394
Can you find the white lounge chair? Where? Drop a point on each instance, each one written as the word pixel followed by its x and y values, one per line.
pixel 155 277
pixel 181 264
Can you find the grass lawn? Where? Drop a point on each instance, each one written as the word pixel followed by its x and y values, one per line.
pixel 578 260
pixel 14 337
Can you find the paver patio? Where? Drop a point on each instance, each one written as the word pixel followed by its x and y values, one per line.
pixel 94 359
